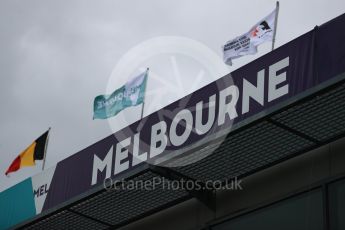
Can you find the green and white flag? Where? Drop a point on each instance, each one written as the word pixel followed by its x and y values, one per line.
pixel 131 94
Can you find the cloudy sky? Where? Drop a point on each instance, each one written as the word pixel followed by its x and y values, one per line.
pixel 56 56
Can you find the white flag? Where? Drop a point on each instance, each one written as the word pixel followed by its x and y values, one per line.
pixel 246 43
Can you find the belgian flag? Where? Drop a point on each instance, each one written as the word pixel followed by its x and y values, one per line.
pixel 35 151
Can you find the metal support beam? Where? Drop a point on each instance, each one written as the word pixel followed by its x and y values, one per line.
pixel 202 194
pixel 89 217
pixel 294 131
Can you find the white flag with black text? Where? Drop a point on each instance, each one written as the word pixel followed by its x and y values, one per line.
pixel 247 43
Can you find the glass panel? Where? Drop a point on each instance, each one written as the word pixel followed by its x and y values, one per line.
pixel 302 212
pixel 337 205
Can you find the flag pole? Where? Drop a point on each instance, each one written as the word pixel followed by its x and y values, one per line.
pixel 45 149
pixel 142 109
pixel 275 25
pixel 143 104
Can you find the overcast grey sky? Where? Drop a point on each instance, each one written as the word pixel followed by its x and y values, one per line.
pixel 56 56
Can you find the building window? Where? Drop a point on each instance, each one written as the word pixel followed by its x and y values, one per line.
pixel 337 205
pixel 302 212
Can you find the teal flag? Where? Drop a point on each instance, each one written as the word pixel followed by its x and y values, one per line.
pixel 131 94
